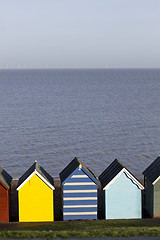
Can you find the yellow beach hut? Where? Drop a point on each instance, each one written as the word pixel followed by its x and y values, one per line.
pixel 35 195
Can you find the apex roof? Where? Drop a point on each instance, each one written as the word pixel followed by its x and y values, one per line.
pixel 152 172
pixel 113 170
pixel 5 178
pixel 72 166
pixel 37 169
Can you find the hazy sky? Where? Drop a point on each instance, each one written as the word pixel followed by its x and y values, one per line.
pixel 79 33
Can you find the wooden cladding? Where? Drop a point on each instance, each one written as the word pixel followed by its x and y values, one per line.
pixel 4 203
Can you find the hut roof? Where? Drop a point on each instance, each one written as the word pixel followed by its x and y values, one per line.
pixel 5 178
pixel 152 172
pixel 72 166
pixel 37 169
pixel 113 170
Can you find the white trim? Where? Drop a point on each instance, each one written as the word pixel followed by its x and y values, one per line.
pixel 79 191
pixel 27 179
pixel 80 198
pixel 129 175
pixel 79 213
pixel 113 180
pixel 140 186
pixel 79 206
pixel 40 176
pixel 79 176
pixel 79 183
pixel 44 180
pixel 156 180
pixel 80 166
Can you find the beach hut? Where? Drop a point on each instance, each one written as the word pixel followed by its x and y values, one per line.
pixel 35 195
pixel 121 193
pixel 79 191
pixel 152 188
pixel 5 184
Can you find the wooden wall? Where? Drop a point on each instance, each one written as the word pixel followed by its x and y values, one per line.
pixel 123 199
pixel 149 198
pixel 35 201
pixel 80 200
pixel 156 206
pixel 4 203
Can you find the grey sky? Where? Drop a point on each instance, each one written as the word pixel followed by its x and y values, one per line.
pixel 79 33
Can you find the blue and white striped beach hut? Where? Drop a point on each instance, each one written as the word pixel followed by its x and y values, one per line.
pixel 122 192
pixel 79 191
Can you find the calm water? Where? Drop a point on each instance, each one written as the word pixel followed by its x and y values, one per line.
pixel 97 115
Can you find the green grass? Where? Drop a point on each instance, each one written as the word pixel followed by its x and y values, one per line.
pixel 78 229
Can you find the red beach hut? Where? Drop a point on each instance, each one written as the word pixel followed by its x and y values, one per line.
pixel 5 183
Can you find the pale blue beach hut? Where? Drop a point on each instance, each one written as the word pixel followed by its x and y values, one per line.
pixel 122 193
pixel 79 191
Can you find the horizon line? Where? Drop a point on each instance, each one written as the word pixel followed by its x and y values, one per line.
pixel 79 68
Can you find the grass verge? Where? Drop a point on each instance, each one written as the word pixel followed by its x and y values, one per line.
pixel 79 229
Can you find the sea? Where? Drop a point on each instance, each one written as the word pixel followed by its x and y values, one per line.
pixel 97 115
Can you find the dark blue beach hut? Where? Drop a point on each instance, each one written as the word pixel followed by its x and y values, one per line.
pixel 152 188
pixel 121 193
pixel 79 191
